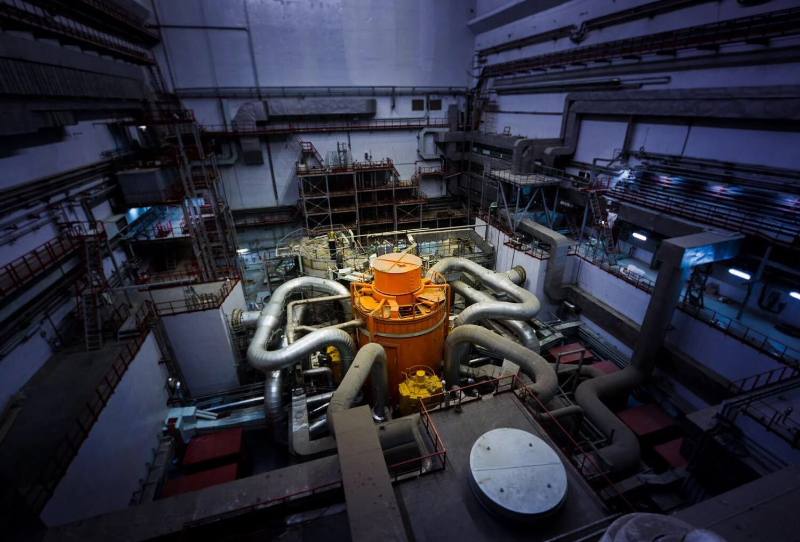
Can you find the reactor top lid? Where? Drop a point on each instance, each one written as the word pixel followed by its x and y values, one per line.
pixel 397 273
pixel 516 474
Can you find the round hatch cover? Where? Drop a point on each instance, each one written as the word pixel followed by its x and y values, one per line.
pixel 516 474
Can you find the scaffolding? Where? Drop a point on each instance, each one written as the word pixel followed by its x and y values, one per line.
pixel 340 193
pixel 207 217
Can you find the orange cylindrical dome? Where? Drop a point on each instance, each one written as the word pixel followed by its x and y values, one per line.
pixel 397 274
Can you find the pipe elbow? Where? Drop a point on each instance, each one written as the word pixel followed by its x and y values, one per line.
pixel 623 453
pixel 545 384
pixel 370 361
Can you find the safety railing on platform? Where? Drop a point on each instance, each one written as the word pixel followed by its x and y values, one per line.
pixel 329 126
pixel 588 462
pixel 39 492
pixel 730 326
pixel 769 409
pixel 41 260
pixel 197 302
pixel 763 380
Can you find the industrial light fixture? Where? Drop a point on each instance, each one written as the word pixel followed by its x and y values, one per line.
pixel 738 273
pixel 639 236
pixel 243 250
pixel 795 295
pixel 142 127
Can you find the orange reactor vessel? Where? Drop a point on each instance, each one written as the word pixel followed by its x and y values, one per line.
pixel 404 313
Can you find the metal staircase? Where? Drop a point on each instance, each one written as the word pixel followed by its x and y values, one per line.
pixel 606 250
pixel 90 295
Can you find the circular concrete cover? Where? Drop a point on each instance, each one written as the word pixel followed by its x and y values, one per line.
pixel 516 474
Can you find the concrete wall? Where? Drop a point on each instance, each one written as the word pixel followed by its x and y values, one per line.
pixel 317 44
pixel 203 347
pixel 110 463
pixel 709 345
pixel 538 115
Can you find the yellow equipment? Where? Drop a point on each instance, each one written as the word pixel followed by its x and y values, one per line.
pixel 422 384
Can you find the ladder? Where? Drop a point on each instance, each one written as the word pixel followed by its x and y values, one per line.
pixel 90 296
pixel 605 240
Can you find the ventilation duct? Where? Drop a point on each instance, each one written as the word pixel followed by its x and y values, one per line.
pixel 247 118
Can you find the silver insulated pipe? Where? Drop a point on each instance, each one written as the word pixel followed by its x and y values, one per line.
pixel 524 332
pixel 526 308
pixel 370 360
pixel 457 345
pixel 272 361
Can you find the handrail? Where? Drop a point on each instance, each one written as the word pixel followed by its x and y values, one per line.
pixel 760 341
pixel 204 301
pixel 42 259
pixel 574 446
pixel 39 492
pixel 304 127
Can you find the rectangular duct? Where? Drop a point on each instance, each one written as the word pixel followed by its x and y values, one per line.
pixel 321 107
pixel 144 186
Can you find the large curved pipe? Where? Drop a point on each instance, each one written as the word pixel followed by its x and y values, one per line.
pixel 371 359
pixel 526 308
pixel 272 361
pixel 623 452
pixel 524 332
pixel 457 345
pixel 557 263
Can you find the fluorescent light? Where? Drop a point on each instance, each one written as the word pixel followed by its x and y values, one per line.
pixel 795 295
pixel 737 273
pixel 639 236
pixel 243 250
pixel 142 127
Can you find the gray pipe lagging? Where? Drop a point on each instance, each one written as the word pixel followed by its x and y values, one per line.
pixel 271 361
pixel 457 346
pixel 370 360
pixel 524 332
pixel 623 452
pixel 557 263
pixel 526 308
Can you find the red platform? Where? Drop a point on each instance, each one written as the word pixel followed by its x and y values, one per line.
pixel 645 420
pixel 221 446
pixel 201 480
pixel 575 357
pixel 607 367
pixel 671 453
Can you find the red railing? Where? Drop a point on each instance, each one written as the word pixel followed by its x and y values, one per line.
pixel 202 302
pixel 579 456
pixel 35 263
pixel 39 492
pixel 328 126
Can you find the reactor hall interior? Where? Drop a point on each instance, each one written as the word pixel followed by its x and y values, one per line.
pixel 399 270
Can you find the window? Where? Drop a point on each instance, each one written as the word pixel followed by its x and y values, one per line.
pixel 435 104
pixel 418 104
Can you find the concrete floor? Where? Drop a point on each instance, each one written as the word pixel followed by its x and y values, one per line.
pixel 55 397
pixel 440 506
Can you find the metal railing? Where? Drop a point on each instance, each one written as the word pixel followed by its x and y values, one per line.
pixel 587 462
pixel 38 493
pixel 759 407
pixel 730 326
pixel 753 223
pixel 304 127
pixel 200 302
pixel 37 262
pixel 763 380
